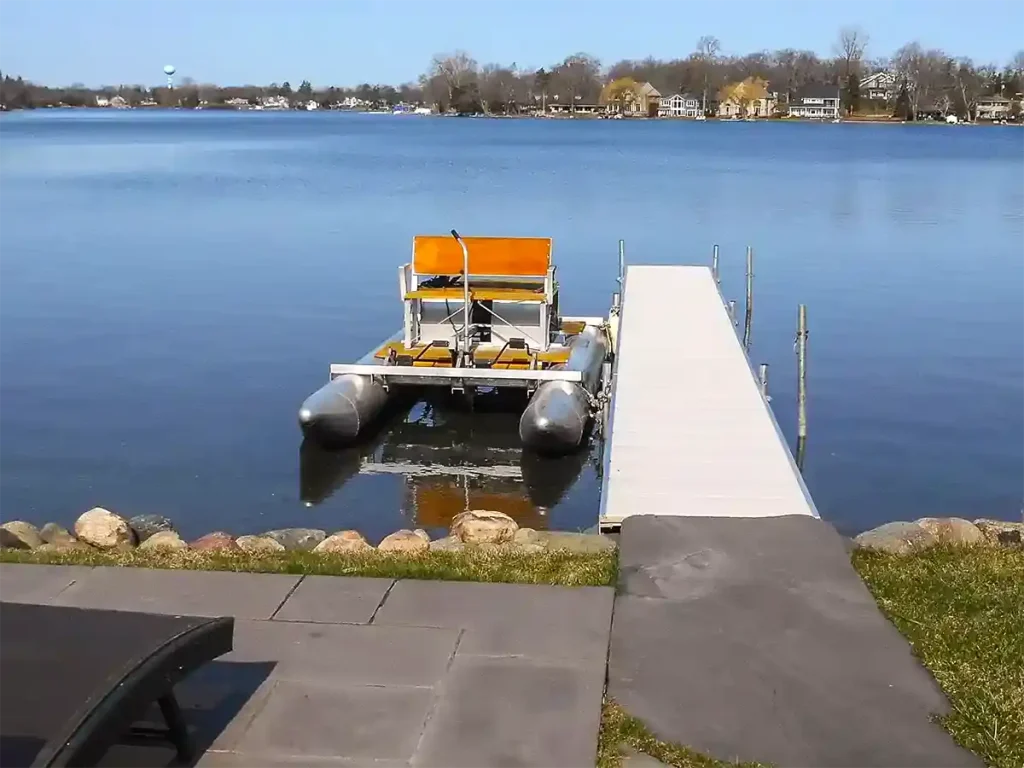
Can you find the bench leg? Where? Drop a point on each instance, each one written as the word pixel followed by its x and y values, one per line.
pixel 177 730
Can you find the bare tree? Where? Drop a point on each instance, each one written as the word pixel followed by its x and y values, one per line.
pixel 455 70
pixel 969 86
pixel 908 62
pixel 577 79
pixel 707 54
pixel 853 42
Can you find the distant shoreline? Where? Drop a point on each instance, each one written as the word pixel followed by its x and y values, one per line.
pixel 584 117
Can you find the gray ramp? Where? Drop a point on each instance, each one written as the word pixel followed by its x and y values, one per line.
pixel 755 639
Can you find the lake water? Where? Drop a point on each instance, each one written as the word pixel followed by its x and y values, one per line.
pixel 172 286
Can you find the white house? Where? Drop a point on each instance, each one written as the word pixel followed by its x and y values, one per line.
pixel 679 105
pixel 880 86
pixel 818 101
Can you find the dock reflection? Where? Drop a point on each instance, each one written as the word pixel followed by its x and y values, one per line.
pixel 448 461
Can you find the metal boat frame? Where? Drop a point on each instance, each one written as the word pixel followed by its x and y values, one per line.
pixel 505 293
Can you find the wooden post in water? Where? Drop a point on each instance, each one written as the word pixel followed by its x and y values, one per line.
pixel 750 299
pixel 732 311
pixel 763 378
pixel 714 266
pixel 801 386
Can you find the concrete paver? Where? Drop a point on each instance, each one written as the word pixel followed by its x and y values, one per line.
pixel 347 654
pixel 37 583
pixel 755 639
pixel 512 711
pixel 538 621
pixel 195 593
pixel 327 720
pixel 328 599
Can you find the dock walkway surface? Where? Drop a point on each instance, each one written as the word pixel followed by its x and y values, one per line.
pixel 334 671
pixel 690 433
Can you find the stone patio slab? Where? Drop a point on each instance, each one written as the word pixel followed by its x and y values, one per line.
pixel 334 600
pixel 538 621
pixel 496 711
pixel 39 584
pixel 192 593
pixel 346 654
pixel 325 720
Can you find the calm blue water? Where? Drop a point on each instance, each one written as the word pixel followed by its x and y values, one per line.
pixel 172 285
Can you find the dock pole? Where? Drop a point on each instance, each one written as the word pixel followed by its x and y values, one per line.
pixel 750 299
pixel 714 266
pixel 763 379
pixel 801 386
pixel 465 291
pixel 622 264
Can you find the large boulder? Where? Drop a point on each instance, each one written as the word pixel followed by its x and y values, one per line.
pixel 897 538
pixel 259 544
pixel 292 539
pixel 52 533
pixel 484 527
pixel 9 541
pixel 528 540
pixel 26 534
pixel 447 544
pixel 952 530
pixel 216 541
pixel 344 541
pixel 411 542
pixel 167 541
pixel 147 525
pixel 1001 531
pixel 104 529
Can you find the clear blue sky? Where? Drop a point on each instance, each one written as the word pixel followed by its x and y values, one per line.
pixel 346 42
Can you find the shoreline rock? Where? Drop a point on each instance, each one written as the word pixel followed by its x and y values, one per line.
pixel 149 525
pixel 21 535
pixel 104 529
pixel 297 539
pixel 901 537
pixel 344 541
pixel 480 530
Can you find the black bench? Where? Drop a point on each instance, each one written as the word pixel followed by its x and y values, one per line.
pixel 75 681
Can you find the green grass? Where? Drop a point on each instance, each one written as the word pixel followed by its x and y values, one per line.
pixel 962 609
pixel 500 565
pixel 620 729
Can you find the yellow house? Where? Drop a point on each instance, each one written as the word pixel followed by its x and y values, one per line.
pixel 748 98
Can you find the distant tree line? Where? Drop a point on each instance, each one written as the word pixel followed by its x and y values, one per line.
pixel 926 80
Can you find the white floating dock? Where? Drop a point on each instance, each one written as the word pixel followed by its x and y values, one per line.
pixel 690 433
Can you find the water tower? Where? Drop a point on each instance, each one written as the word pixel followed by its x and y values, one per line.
pixel 169 70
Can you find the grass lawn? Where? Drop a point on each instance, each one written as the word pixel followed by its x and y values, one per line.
pixel 553 567
pixel 962 610
pixel 620 729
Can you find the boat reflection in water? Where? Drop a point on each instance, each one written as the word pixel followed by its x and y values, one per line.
pixel 449 460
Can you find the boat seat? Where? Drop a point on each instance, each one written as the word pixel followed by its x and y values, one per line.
pixel 528 257
pixel 75 680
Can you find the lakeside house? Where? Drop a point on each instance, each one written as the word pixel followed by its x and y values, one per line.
pixel 881 86
pixel 750 98
pixel 995 107
pixel 679 105
pixel 816 101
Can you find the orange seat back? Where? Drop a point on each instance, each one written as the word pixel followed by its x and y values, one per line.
pixel 488 256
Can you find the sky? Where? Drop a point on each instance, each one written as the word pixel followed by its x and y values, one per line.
pixel 347 42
